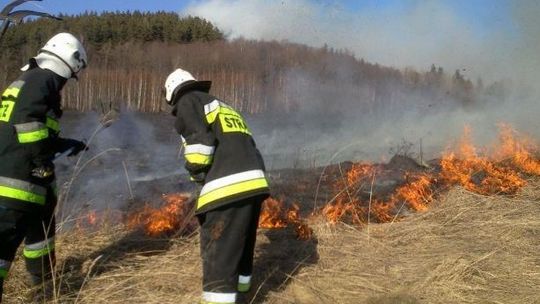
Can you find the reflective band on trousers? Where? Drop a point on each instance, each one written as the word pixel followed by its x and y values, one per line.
pixel 244 283
pixel 199 154
pixel 4 268
pixel 21 190
pixel 37 250
pixel 231 185
pixel 31 132
pixel 217 297
pixel 244 279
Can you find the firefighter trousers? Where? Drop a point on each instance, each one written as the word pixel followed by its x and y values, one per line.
pixel 37 229
pixel 227 238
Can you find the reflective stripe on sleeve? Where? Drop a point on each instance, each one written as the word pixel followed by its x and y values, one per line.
pixel 231 185
pixel 199 154
pixel 31 132
pixel 53 124
pixel 37 250
pixel 217 297
pixel 21 190
pixel 200 149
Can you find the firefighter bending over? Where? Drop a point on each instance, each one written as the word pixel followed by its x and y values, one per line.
pixel 221 155
pixel 29 139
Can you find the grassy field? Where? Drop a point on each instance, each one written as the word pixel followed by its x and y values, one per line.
pixel 466 248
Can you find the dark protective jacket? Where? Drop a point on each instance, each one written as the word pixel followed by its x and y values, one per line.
pixel 218 146
pixel 29 128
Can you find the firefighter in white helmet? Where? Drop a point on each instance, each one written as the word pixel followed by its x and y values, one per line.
pixel 30 110
pixel 220 153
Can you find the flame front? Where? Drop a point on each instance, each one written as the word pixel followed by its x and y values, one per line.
pixel 499 171
pixel 502 169
pixel 481 174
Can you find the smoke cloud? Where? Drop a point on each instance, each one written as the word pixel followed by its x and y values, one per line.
pixel 410 33
pixel 406 34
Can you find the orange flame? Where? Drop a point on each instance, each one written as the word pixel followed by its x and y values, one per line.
pixel 92 217
pixel 418 194
pixel 499 174
pixel 478 174
pixel 346 206
pixel 517 149
pixel 274 216
pixel 172 217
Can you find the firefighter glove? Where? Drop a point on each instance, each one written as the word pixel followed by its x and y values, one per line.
pixel 198 178
pixel 44 171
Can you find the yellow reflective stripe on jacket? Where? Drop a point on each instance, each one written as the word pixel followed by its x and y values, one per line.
pixel 11 92
pixel 31 137
pixel 199 159
pixel 53 124
pixel 31 132
pixel 38 250
pixel 22 190
pixel 231 185
pixel 22 195
pixel 199 154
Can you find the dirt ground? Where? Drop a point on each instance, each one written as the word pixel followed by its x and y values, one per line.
pixel 465 249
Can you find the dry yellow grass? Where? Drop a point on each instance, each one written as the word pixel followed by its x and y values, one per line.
pixel 466 249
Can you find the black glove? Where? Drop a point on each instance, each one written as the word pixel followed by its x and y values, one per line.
pixel 71 144
pixel 44 171
pixel 198 178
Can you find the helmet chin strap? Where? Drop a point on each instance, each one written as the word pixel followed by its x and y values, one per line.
pixel 73 73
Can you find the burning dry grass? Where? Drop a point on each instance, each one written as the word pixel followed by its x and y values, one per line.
pixel 468 248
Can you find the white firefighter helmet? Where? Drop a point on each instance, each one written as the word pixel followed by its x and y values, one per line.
pixel 181 80
pixel 63 54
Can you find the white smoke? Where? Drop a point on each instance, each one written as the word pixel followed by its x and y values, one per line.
pixel 426 32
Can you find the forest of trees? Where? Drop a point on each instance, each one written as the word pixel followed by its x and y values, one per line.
pixel 130 55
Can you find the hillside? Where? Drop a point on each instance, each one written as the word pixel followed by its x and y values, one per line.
pixel 132 53
pixel 466 249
